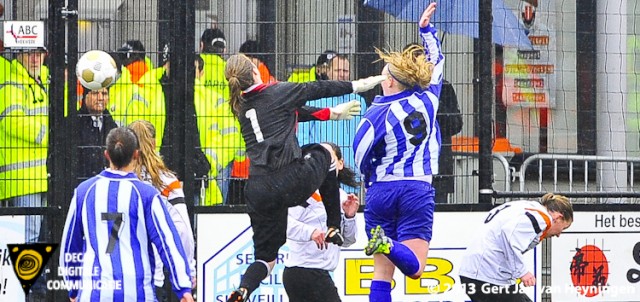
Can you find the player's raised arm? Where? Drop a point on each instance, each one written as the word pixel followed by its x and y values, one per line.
pixel 432 46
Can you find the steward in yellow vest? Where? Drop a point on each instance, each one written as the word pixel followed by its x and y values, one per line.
pixel 24 127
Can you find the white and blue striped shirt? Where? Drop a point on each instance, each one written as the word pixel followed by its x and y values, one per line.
pixel 106 246
pixel 398 137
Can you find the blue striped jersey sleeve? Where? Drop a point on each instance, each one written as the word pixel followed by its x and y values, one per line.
pixel 362 144
pixel 433 53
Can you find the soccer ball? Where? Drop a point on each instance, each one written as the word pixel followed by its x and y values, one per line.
pixel 96 69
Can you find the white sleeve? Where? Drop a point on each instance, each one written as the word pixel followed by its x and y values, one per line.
pixel 177 209
pixel 296 229
pixel 180 217
pixel 349 227
pixel 349 230
pixel 517 236
pixel 169 247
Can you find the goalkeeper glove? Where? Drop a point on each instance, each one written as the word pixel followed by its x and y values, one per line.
pixel 367 84
pixel 345 111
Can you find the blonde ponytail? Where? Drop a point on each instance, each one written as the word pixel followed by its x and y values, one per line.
pixel 239 74
pixel 409 67
pixel 149 161
pixel 559 204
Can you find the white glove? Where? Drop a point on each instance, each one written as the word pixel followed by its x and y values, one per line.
pixel 345 111
pixel 367 84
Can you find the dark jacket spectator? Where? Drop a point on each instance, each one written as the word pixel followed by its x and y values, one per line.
pixel 95 122
pixel 450 120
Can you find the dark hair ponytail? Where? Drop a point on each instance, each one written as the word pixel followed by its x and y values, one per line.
pixel 345 176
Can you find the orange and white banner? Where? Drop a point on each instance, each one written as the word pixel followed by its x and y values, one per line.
pixel 530 74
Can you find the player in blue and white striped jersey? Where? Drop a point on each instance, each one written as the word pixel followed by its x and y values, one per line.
pixel 113 220
pixel 396 149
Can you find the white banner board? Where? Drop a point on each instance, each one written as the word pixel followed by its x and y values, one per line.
pixel 12 230
pixel 225 249
pixel 24 34
pixel 598 258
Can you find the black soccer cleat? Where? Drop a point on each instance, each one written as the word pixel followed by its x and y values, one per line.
pixel 238 295
pixel 334 236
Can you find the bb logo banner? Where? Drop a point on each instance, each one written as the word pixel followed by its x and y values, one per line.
pixel 28 260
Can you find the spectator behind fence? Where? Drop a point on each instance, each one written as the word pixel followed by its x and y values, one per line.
pixel 220 137
pixel 212 46
pixel 133 57
pixel 307 270
pixel 251 49
pixel 173 130
pixel 136 95
pixel 151 169
pixel 94 123
pixel 333 66
pixel 450 121
pixel 24 129
pixel 114 219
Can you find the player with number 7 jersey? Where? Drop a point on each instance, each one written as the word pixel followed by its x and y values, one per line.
pixel 113 220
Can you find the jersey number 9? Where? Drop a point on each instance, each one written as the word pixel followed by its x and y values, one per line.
pixel 416 125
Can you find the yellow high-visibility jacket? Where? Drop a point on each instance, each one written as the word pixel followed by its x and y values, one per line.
pixel 24 133
pixel 302 75
pixel 119 95
pixel 213 77
pixel 149 104
pixel 220 136
pixel 143 100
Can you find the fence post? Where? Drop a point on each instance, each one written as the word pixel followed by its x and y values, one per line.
pixel 485 119
pixel 586 65
pixel 370 33
pixel 62 162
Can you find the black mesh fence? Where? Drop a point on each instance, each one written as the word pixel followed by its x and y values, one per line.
pixel 168 60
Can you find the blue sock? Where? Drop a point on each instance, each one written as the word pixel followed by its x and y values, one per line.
pixel 380 291
pixel 404 259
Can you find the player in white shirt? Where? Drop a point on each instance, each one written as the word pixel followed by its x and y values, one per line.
pixel 495 259
pixel 152 170
pixel 306 277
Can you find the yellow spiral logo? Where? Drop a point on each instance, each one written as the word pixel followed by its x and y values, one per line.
pixel 28 264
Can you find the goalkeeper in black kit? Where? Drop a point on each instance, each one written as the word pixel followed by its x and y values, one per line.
pixel 281 173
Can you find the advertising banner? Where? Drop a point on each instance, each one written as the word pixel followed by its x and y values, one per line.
pixel 598 258
pixel 225 249
pixel 12 230
pixel 530 74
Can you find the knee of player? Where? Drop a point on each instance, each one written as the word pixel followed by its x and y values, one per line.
pixel 416 276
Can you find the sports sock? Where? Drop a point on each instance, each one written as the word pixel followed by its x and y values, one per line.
pixel 255 273
pixel 380 291
pixel 404 259
pixel 330 192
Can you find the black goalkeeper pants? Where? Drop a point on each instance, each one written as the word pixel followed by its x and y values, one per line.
pixel 480 291
pixel 268 198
